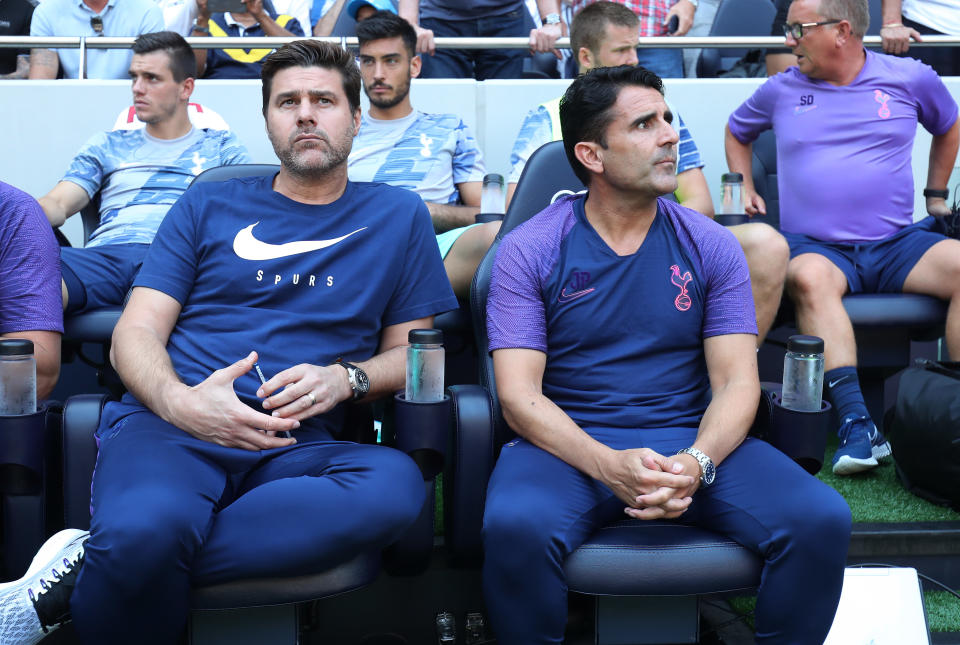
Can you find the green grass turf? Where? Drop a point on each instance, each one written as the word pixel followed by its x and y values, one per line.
pixel 878 496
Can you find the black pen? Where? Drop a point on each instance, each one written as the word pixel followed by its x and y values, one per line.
pixel 263 381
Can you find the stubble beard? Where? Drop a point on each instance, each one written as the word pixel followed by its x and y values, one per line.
pixel 296 163
pixel 398 97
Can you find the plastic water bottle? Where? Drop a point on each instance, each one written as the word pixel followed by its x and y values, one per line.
pixel 492 196
pixel 424 366
pixel 18 377
pixel 803 374
pixel 731 194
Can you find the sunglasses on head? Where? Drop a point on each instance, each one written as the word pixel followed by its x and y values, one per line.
pixel 96 22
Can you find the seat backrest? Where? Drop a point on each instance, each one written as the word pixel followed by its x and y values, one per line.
pixel 223 173
pixel 546 176
pixel 765 175
pixel 735 18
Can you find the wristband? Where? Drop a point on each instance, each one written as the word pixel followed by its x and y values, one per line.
pixel 893 24
pixel 202 30
pixel 933 192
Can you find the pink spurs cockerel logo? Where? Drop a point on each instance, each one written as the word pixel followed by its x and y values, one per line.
pixel 682 301
pixel 882 99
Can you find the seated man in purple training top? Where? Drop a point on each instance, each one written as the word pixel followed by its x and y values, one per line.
pixel 623 338
pixel 845 120
pixel 30 283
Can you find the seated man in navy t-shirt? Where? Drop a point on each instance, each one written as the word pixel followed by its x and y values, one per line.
pixel 623 338
pixel 320 279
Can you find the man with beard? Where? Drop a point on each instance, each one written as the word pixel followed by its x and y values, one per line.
pixel 622 331
pixel 433 155
pixel 197 481
pixel 138 173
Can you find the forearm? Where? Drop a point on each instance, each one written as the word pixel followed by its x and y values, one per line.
pixel 271 28
pixel 53 210
pixel 728 419
pixel 739 157
pixel 409 10
pixel 324 26
pixel 540 421
pixel 692 191
pixel 546 7
pixel 943 154
pixel 450 216
pixel 44 64
pixel 386 371
pixel 140 358
pixel 890 10
pixel 48 364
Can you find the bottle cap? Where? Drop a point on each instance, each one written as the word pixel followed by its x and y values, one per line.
pixel 425 337
pixel 493 178
pixel 805 344
pixel 15 346
pixel 731 178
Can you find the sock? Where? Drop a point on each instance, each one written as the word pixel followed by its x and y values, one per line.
pixel 844 388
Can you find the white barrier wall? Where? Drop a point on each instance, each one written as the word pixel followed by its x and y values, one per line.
pixel 46 122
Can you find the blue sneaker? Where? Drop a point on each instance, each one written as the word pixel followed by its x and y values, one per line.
pixel 857 451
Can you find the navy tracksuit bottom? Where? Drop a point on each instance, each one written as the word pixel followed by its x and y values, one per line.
pixel 171 511
pixel 539 509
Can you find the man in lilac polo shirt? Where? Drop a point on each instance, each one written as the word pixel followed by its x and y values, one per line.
pixel 622 330
pixel 845 120
pixel 30 283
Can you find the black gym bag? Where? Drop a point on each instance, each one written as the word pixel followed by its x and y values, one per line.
pixel 924 431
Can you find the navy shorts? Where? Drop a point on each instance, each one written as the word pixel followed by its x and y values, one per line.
pixel 873 267
pixel 99 276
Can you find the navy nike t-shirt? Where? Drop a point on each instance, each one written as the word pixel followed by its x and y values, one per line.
pixel 298 283
pixel 623 335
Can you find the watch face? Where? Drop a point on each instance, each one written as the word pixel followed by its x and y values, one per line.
pixel 363 383
pixel 709 473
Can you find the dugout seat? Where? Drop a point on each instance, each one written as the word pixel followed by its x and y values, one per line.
pixel 257 611
pixel 884 323
pixel 734 18
pixel 646 576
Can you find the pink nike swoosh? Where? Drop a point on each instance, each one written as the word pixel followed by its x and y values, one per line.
pixel 565 297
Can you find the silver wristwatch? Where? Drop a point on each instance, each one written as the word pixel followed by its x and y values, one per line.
pixel 707 469
pixel 695 3
pixel 359 382
pixel 551 19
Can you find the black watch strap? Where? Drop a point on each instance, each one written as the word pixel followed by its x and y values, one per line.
pixel 933 192
pixel 359 382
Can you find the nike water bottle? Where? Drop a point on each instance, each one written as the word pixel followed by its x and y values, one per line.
pixel 424 366
pixel 803 374
pixel 18 377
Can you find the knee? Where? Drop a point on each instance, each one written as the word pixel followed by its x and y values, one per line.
pixel 510 528
pixel 810 277
pixel 767 251
pixel 400 490
pixel 825 528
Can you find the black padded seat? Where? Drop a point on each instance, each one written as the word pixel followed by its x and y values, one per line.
pixel 232 612
pixel 660 558
pixel 911 310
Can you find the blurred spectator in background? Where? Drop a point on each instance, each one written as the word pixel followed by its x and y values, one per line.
pixel 433 155
pixel 14 21
pixel 655 18
pixel 906 19
pixel 30 282
pixel 480 19
pixel 326 13
pixel 260 19
pixel 779 59
pixel 90 18
pixel 139 174
pixel 178 15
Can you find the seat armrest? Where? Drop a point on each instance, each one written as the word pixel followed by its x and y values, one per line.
pixel 470 461
pixel 81 416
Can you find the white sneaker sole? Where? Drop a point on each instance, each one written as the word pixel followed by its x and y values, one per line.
pixel 847 465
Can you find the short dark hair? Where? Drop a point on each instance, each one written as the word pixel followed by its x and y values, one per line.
pixel 589 26
pixel 182 63
pixel 313 53
pixel 585 109
pixel 386 24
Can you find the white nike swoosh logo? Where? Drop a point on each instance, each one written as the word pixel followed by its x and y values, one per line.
pixel 838 381
pixel 247 247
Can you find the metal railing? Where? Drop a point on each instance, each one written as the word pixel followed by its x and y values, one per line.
pixel 84 43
